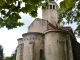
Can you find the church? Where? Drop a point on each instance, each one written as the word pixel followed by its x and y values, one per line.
pixel 45 40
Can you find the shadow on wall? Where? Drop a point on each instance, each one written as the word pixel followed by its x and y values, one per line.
pixel 75 47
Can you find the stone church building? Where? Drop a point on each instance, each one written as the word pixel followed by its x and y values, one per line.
pixel 46 41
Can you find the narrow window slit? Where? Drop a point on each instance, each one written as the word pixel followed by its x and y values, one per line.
pixel 41 54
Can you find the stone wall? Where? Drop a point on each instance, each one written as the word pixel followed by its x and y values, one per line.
pixel 51 13
pixel 20 41
pixel 33 43
pixel 19 55
pixel 56 45
pixel 38 25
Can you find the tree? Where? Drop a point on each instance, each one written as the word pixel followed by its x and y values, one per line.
pixel 71 15
pixel 1 52
pixel 12 57
pixel 7 58
pixel 10 10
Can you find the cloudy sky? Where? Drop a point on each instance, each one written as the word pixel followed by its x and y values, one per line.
pixel 8 38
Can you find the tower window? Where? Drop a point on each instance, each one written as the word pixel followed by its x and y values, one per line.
pixel 41 54
pixel 53 6
pixel 50 6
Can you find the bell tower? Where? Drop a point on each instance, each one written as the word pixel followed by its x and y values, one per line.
pixel 51 13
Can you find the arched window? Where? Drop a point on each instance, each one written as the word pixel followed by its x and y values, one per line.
pixel 41 54
pixel 50 6
pixel 53 6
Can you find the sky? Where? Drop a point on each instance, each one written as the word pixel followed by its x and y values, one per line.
pixel 8 38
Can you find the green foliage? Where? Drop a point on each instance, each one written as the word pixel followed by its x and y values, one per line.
pixel 12 57
pixel 66 4
pixel 72 15
pixel 10 10
pixel 42 59
pixel 7 58
pixel 2 2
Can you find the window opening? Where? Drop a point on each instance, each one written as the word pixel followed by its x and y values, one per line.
pixel 53 6
pixel 41 54
pixel 50 6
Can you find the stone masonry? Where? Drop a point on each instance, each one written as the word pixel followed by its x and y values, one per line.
pixel 45 40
